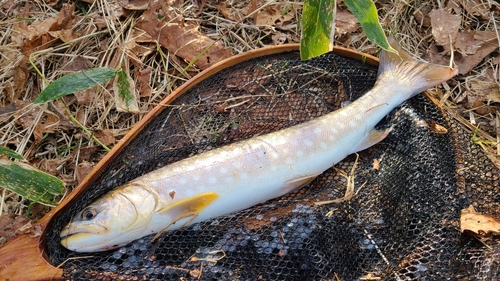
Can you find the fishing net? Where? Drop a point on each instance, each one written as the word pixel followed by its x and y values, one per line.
pixel 401 221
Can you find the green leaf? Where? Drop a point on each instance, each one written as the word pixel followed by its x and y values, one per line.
pixel 125 98
pixel 75 82
pixel 124 88
pixel 366 13
pixel 318 27
pixel 4 151
pixel 29 182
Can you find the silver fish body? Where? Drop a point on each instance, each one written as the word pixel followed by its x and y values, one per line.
pixel 240 175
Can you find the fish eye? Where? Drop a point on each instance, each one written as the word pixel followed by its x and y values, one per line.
pixel 88 214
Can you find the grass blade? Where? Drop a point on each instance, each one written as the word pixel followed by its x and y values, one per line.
pixel 366 13
pixel 318 27
pixel 4 151
pixel 29 182
pixel 75 82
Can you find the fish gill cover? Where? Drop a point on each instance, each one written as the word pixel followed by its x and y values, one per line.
pixel 402 223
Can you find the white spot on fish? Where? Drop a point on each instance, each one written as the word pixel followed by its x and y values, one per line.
pixel 332 138
pixel 289 161
pixel 353 124
pixel 244 176
pixel 300 153
pixel 183 181
pixel 286 151
pixel 212 180
pixel 318 130
pixel 323 145
pixel 341 125
pixel 308 143
pixel 229 179
pixel 223 170
pixel 196 177
pixel 238 165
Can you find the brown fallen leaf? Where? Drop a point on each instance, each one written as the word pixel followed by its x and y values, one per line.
pixel 478 223
pixel 41 34
pixel 476 8
pixel 486 90
pixel 276 15
pixel 473 52
pixel 105 136
pixel 181 38
pixel 438 129
pixel 422 18
pixel 444 28
pixel 12 225
pixel 135 4
pixel 230 15
pixel 345 22
pixel 82 170
pixel 85 97
pixel 143 77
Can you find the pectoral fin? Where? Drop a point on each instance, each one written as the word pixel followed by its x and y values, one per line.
pixel 185 208
pixel 295 183
pixel 373 137
pixel 189 206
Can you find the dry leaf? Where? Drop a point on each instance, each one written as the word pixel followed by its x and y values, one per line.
pixel 78 63
pixel 437 128
pixel 135 4
pixel 85 97
pixel 345 22
pixel 105 136
pixel 143 78
pixel 182 39
pixel 82 170
pixel 485 42
pixel 12 225
pixel 485 90
pixel 478 223
pixel 276 15
pixel 444 28
pixel 41 34
pixel 476 8
pixel 278 38
pixel 422 18
pixel 230 15
pixel 477 105
pixel 52 166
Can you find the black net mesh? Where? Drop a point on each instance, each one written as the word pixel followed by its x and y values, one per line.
pixel 402 223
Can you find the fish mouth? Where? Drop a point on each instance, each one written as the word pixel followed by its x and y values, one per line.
pixel 72 230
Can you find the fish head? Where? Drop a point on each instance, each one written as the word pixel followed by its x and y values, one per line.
pixel 106 224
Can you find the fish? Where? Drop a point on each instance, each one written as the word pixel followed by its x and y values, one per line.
pixel 248 172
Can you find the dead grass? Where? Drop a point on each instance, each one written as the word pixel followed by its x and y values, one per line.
pixel 102 35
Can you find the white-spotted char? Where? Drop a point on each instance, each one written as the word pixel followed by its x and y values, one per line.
pixel 240 175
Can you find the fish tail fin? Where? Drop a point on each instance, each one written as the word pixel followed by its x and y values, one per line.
pixel 402 67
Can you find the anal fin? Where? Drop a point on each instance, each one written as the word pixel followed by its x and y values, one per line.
pixel 373 137
pixel 295 183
